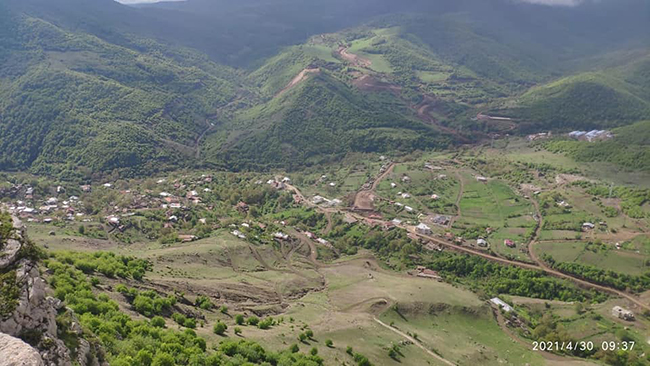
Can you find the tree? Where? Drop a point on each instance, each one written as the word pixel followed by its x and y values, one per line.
pixel 302 337
pixel 237 330
pixel 163 359
pixel 158 322
pixel 329 343
pixel 144 357
pixel 239 319
pixel 349 350
pixel 313 351
pixel 223 309
pixel 309 333
pixel 294 348
pixel 220 328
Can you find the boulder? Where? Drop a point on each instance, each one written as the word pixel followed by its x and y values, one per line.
pixel 15 352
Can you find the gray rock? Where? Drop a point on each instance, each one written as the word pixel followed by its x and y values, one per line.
pixel 15 352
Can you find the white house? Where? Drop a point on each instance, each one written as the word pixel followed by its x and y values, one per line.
pixel 423 229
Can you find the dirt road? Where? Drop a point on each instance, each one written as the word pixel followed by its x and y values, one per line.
pixel 540 266
pixel 415 342
pixel 364 198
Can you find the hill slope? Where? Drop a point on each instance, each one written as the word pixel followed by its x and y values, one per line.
pixel 72 97
pixel 317 120
pixel 602 99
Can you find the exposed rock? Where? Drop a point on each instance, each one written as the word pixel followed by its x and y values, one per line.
pixel 15 352
pixel 34 318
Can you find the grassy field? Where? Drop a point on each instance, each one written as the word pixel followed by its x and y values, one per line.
pixel 605 256
pixel 490 203
pixel 464 335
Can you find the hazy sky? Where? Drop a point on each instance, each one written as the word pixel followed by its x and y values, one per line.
pixel 545 2
pixel 142 1
pixel 554 2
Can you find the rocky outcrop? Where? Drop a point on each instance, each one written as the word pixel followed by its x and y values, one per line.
pixel 15 352
pixel 34 317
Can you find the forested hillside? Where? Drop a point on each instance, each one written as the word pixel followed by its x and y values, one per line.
pixel 92 87
pixel 589 100
pixel 72 97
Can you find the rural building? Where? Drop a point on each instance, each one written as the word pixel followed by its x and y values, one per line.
pixel 242 207
pixel 509 243
pixel 481 179
pixel 481 242
pixel 435 197
pixel 281 236
pixel 406 179
pixel 187 238
pixel 393 185
pixel 622 313
pixel 408 208
pixel 441 220
pixel 423 229
pixel 427 273
pixel 317 200
pixel 501 304
pixel 588 226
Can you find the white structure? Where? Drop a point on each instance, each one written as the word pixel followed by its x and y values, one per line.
pixel 622 313
pixel 481 243
pixel 423 229
pixel 501 304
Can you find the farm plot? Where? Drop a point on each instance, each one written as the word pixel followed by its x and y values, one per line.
pixel 491 203
pixel 602 256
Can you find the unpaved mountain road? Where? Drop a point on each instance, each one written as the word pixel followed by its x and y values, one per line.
pixel 539 266
pixel 415 342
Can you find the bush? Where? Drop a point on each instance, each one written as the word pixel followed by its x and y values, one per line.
pixel 158 322
pixel 253 320
pixel 220 328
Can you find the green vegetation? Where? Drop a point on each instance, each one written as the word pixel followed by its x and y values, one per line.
pixel 585 101
pixel 628 148
pixel 491 279
pixel 603 277
pixel 126 340
pixel 9 293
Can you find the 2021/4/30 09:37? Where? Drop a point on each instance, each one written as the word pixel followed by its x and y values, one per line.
pixel 582 346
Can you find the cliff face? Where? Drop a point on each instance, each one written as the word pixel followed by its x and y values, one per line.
pixel 30 314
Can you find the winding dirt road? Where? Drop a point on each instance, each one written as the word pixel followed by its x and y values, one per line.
pixel 415 342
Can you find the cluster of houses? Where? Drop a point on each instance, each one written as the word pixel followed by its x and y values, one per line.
pixel 46 210
pixel 322 201
pixel 279 184
pixel 593 135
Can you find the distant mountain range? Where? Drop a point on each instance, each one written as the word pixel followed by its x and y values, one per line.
pixel 88 87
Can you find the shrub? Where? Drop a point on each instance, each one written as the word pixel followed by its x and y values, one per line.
pixel 220 328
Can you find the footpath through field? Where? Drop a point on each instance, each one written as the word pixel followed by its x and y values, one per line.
pixel 415 342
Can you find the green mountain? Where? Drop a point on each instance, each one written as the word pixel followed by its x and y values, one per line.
pixel 71 99
pixel 88 87
pixel 320 119
pixel 601 99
